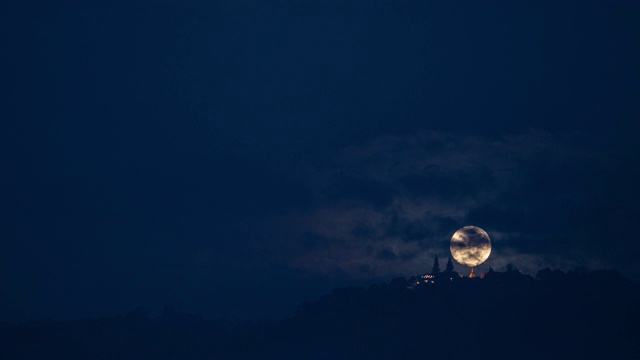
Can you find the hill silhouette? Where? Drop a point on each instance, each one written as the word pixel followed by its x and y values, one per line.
pixel 504 315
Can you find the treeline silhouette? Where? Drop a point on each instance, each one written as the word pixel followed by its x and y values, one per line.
pixel 504 315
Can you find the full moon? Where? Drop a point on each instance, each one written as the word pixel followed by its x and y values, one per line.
pixel 470 246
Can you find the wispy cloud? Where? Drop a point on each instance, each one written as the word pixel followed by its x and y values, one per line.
pixel 387 207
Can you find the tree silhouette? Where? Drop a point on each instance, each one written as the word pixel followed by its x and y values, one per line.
pixel 544 274
pixel 436 266
pixel 449 267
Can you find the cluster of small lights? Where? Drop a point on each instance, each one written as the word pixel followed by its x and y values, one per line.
pixel 425 279
pixel 430 279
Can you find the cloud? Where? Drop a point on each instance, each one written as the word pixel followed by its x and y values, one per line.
pixel 390 205
pixel 386 254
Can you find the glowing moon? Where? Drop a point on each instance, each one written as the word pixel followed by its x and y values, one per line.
pixel 470 246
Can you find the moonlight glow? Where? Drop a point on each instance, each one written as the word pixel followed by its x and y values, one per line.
pixel 470 246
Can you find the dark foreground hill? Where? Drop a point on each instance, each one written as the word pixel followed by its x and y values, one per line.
pixel 507 316
pixel 593 315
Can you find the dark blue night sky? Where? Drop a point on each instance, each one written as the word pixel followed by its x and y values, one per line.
pixel 234 158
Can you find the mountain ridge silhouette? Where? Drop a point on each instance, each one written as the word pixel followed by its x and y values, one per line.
pixel 590 314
